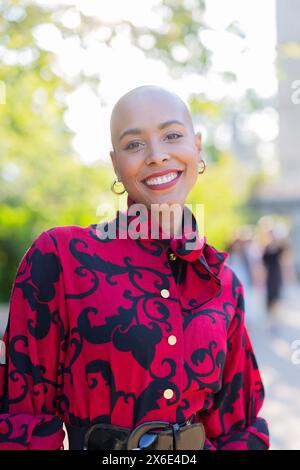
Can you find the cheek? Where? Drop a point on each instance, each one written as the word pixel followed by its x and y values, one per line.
pixel 129 167
pixel 187 155
pixel 192 168
pixel 191 180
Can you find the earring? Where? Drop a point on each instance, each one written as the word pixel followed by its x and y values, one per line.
pixel 201 167
pixel 116 182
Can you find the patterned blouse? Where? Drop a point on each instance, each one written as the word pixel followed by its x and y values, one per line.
pixel 126 330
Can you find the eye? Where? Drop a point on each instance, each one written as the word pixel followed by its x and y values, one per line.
pixel 129 146
pixel 172 134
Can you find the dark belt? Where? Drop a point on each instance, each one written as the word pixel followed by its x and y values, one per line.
pixel 149 435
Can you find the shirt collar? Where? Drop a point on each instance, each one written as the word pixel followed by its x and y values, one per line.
pixel 189 246
pixel 203 260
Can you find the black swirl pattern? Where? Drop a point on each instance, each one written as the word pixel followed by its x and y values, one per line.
pixel 117 331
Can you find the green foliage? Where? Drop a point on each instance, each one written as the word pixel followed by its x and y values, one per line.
pixel 225 187
pixel 223 192
pixel 42 182
pixel 181 26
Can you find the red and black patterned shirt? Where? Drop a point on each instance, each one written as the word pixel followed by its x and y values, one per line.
pixel 124 331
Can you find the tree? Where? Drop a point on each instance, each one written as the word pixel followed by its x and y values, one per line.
pixel 42 182
pixel 225 187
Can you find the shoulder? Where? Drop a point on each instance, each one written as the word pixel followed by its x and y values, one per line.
pixel 65 240
pixel 67 232
pixel 58 240
pixel 217 262
pixel 52 238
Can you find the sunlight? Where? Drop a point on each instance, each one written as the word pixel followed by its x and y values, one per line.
pixel 250 55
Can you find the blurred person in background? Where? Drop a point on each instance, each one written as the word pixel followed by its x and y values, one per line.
pixel 245 260
pixel 272 258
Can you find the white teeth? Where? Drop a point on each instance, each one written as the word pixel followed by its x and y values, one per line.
pixel 161 179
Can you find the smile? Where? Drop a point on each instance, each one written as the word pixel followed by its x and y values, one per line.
pixel 164 181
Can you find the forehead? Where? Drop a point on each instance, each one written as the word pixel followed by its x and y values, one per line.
pixel 146 111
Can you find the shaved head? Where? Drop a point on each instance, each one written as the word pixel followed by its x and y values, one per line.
pixel 141 100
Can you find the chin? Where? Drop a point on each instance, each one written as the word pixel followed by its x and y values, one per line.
pixel 169 200
pixel 167 197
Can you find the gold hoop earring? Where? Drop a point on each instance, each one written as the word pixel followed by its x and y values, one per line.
pixel 114 189
pixel 201 167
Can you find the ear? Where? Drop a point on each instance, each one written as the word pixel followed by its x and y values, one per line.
pixel 198 142
pixel 114 161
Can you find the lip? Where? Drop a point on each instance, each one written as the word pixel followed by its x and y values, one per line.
pixel 164 185
pixel 161 173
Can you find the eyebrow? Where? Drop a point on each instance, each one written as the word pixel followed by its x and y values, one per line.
pixel 162 125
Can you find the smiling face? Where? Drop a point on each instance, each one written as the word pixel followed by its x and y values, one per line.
pixel 156 151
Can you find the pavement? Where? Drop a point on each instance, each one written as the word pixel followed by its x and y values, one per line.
pixel 276 345
pixel 3 318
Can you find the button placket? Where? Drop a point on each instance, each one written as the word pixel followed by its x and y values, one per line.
pixel 172 340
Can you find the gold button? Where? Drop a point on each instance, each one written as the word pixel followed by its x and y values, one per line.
pixel 172 340
pixel 168 393
pixel 165 293
pixel 172 257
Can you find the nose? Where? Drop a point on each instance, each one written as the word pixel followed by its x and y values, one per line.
pixel 156 155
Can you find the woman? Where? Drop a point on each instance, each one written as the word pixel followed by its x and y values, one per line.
pixel 272 260
pixel 111 336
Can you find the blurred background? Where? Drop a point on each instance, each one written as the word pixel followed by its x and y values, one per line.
pixel 236 64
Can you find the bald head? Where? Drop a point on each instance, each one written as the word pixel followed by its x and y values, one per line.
pixel 141 104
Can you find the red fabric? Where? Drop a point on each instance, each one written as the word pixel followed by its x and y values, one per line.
pixel 87 340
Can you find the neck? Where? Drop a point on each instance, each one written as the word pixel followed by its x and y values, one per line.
pixel 170 219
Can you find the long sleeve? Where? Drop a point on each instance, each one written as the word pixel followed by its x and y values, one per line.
pixel 31 378
pixel 232 422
